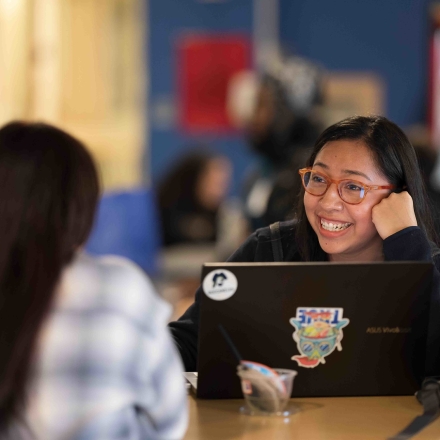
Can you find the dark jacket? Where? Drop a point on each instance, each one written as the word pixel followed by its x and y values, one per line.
pixel 409 244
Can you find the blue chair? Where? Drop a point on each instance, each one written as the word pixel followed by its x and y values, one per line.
pixel 127 224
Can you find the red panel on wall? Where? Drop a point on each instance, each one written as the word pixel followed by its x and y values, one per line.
pixel 206 63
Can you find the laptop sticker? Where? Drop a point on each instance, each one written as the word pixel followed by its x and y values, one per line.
pixel 220 284
pixel 318 332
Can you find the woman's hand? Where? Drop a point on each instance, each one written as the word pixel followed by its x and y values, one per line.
pixel 394 213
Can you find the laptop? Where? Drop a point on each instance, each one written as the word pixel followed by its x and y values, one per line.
pixel 356 329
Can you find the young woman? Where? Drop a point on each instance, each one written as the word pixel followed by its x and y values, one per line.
pixel 363 200
pixel 84 347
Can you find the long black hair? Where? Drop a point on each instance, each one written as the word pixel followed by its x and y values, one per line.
pixel 395 158
pixel 48 195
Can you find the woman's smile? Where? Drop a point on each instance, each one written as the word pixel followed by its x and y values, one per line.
pixel 334 225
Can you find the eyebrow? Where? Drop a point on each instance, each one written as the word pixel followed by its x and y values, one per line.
pixel 348 172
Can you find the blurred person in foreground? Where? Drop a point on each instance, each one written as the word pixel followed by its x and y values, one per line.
pixel 190 196
pixel 280 128
pixel 84 348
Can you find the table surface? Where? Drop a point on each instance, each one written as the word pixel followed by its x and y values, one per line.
pixel 336 418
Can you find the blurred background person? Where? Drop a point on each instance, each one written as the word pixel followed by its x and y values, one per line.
pixel 190 197
pixel 281 129
pixel 199 222
pixel 84 348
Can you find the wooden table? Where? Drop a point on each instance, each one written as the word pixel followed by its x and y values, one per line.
pixel 348 418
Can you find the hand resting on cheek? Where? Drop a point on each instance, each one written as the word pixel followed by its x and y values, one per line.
pixel 394 213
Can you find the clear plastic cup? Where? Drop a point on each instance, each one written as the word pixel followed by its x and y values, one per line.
pixel 266 395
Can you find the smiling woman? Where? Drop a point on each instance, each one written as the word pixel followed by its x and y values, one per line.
pixel 363 200
pixel 341 215
pixel 375 152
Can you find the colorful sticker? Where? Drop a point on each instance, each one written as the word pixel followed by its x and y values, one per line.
pixel 318 332
pixel 220 284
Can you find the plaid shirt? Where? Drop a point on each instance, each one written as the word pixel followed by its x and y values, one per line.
pixel 107 367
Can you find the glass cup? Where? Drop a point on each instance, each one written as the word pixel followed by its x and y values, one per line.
pixel 266 395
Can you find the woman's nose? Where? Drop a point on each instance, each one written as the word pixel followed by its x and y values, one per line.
pixel 331 200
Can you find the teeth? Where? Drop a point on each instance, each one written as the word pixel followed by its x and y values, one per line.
pixel 328 226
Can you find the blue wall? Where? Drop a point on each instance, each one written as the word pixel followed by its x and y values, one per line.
pixel 389 37
pixel 168 19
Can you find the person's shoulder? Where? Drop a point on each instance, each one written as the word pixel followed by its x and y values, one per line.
pixel 266 238
pixel 115 266
pixel 129 288
pixel 258 246
pixel 287 230
pixel 112 283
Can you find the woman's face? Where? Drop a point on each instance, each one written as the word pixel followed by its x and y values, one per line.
pixel 358 239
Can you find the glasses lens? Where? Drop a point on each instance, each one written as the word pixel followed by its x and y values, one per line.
pixel 314 183
pixel 351 191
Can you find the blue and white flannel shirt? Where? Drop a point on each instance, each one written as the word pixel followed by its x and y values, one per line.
pixel 107 368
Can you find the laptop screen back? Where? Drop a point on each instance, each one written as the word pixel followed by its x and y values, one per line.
pixel 348 329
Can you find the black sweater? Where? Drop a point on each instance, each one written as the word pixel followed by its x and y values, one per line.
pixel 409 244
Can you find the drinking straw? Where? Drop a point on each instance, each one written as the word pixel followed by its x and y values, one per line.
pixel 230 343
pixel 264 388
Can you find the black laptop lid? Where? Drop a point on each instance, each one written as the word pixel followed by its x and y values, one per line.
pixel 348 329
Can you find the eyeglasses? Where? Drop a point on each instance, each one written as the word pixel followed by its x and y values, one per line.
pixel 350 191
